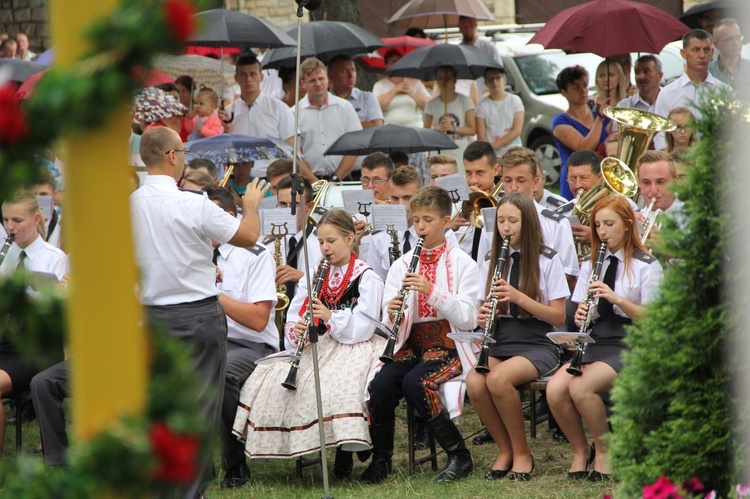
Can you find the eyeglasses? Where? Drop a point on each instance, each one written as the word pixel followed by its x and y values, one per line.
pixel 735 38
pixel 184 151
pixel 492 79
pixel 376 182
pixel 680 129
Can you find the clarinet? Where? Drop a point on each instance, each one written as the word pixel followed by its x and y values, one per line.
pixel 484 355
pixel 575 363
pixel 390 345
pixel 290 383
pixel 6 247
pixel 394 253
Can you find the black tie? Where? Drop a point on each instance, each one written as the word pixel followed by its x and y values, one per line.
pixel 475 243
pixel 291 260
pixel 216 256
pixel 605 307
pixel 21 263
pixel 515 271
pixel 407 244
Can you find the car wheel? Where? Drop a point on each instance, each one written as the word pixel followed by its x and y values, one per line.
pixel 549 157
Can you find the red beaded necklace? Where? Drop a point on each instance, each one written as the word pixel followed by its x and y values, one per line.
pixel 332 295
pixel 430 256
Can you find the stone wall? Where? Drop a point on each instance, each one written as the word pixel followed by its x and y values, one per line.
pixel 282 13
pixel 27 16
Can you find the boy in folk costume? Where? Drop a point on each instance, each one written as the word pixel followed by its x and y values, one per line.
pixel 442 298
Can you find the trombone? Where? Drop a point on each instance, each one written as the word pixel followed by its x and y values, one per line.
pixel 471 209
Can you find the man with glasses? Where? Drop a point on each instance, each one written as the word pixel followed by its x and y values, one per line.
pixel 173 232
pixel 377 168
pixel 730 67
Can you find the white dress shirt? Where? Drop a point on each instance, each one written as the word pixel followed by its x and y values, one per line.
pixel 173 230
pixel 267 117
pixel 320 128
pixel 639 285
pixel 249 276
pixel 40 257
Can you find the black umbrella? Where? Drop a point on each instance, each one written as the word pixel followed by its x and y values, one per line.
pixel 229 28
pixel 422 63
pixel 389 138
pixel 324 39
pixel 18 69
pixel 723 8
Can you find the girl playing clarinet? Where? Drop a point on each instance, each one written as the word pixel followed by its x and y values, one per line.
pixel 532 293
pixel 630 279
pixel 278 423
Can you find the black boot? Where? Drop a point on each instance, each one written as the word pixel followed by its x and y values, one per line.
pixel 459 464
pixel 343 465
pixel 421 434
pixel 382 452
pixel 237 476
pixel 483 438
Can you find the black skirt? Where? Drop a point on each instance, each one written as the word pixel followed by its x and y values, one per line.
pixel 608 334
pixel 526 338
pixel 20 371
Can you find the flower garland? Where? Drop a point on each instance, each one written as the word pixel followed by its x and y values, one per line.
pixel 68 101
pixel 156 453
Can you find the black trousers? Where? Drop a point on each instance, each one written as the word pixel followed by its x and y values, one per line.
pixel 202 326
pixel 48 390
pixel 241 357
pixel 416 376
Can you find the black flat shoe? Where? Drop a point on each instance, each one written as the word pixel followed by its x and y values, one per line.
pixel 236 477
pixel 521 476
pixel 483 438
pixel 496 474
pixel 596 476
pixel 582 475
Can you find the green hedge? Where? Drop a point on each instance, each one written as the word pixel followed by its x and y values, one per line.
pixel 672 403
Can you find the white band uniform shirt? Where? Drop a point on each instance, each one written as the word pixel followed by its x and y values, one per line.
pixel 320 128
pixel 640 284
pixel 176 264
pixel 552 201
pixel 557 235
pixel 249 276
pixel 267 117
pixel 682 92
pixel 40 257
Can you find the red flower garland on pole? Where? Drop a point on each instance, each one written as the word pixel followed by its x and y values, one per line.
pixel 13 123
pixel 179 17
pixel 177 454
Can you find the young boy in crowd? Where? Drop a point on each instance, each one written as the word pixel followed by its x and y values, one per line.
pixel 442 297
pixel 442 165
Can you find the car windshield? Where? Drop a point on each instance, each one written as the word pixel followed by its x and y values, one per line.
pixel 540 70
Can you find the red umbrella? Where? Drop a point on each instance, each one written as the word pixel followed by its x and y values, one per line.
pixel 214 52
pixel 27 88
pixel 610 27
pixel 402 44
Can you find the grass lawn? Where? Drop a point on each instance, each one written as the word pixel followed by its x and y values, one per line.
pixel 277 478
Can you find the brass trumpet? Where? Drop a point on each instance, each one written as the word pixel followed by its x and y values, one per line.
pixel 472 208
pixel 649 221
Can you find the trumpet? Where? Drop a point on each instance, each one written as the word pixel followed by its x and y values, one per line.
pixel 484 355
pixel 472 209
pixel 387 356
pixel 290 383
pixel 394 252
pixel 649 220
pixel 6 247
pixel 585 327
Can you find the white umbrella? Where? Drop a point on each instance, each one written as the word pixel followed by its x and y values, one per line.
pixel 206 71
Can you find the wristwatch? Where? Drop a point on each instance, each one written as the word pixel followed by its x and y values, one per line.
pixel 335 178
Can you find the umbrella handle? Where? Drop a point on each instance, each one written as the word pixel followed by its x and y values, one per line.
pixel 231 118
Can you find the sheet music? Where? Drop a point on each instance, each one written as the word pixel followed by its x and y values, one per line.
pixel 456 186
pixel 278 221
pixel 393 215
pixel 359 201
pixel 490 217
pixel 269 203
pixel 46 205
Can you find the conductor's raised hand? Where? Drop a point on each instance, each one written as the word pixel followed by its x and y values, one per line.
pixel 254 194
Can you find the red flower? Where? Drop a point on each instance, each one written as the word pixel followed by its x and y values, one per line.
pixel 663 488
pixel 177 454
pixel 13 124
pixel 693 485
pixel 179 16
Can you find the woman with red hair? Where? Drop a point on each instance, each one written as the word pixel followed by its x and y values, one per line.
pixel 629 279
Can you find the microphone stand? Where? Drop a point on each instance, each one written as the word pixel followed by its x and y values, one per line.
pixel 298 188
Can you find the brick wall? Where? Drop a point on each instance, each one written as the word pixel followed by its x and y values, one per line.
pixel 27 16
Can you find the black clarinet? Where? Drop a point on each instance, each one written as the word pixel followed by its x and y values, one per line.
pixel 6 247
pixel 484 355
pixel 394 253
pixel 290 383
pixel 575 363
pixel 387 356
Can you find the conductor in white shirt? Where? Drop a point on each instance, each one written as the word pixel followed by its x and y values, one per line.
pixel 173 231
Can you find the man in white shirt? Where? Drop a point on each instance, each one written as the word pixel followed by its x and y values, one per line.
pixel 648 75
pixel 468 28
pixel 258 115
pixel 173 233
pixel 343 77
pixel 23 48
pixel 323 118
pixel 688 89
pixel 248 296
